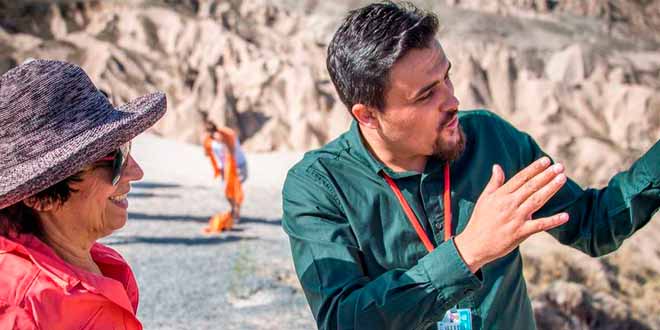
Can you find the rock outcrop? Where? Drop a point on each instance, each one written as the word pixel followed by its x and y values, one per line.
pixel 260 68
pixel 571 306
pixel 571 290
pixel 582 77
pixel 591 99
pixel 624 17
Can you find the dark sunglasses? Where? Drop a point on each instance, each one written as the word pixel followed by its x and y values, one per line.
pixel 119 159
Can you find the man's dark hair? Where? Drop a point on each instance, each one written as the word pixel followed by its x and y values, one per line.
pixel 210 127
pixel 368 43
pixel 19 218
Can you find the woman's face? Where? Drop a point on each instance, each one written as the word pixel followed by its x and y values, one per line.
pixel 98 208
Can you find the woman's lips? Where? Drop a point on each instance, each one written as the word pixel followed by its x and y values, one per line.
pixel 120 201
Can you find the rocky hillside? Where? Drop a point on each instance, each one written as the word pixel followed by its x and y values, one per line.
pixel 581 76
pixel 588 94
pixel 249 64
pixel 622 17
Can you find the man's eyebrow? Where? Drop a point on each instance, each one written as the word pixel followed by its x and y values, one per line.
pixel 431 85
pixel 425 89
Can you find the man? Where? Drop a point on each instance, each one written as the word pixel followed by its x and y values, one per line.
pixel 228 162
pixel 363 212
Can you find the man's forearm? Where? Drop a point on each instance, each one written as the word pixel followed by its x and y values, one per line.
pixel 344 296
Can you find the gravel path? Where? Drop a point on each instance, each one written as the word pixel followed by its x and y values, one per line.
pixel 242 279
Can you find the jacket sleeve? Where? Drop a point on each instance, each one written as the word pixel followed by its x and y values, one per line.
pixel 328 263
pixel 600 219
pixel 15 318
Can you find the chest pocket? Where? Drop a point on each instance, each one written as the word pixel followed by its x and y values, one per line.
pixel 389 242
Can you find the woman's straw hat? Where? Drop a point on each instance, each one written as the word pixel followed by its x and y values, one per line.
pixel 54 121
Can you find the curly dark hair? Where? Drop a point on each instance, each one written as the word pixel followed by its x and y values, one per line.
pixel 368 43
pixel 19 218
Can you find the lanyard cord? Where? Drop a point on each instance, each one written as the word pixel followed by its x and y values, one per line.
pixel 413 218
pixel 447 203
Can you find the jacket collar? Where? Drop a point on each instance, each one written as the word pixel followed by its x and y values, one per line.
pixel 113 286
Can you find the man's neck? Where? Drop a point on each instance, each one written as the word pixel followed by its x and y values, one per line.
pixel 397 161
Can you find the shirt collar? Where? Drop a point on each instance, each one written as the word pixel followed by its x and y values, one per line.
pixel 362 152
pixel 67 276
pixel 42 256
pixel 355 140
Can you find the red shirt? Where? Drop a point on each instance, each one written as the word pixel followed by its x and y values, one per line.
pixel 39 290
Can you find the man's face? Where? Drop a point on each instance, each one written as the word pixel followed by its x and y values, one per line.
pixel 420 114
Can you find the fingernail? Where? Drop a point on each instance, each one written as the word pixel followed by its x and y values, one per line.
pixel 545 161
pixel 560 178
pixel 558 168
pixel 563 217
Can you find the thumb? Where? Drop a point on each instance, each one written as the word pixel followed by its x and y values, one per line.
pixel 496 180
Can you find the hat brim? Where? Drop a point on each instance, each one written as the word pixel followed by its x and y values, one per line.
pixel 68 157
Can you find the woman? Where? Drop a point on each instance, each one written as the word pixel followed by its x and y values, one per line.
pixel 65 171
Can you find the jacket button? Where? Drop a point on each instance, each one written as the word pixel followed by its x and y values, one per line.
pixel 438 225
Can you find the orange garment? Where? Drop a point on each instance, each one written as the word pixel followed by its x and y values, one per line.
pixel 39 290
pixel 229 173
pixel 220 222
pixel 233 187
pixel 208 150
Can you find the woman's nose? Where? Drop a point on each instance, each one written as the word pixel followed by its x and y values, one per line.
pixel 132 171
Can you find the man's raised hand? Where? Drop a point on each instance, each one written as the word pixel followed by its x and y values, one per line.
pixel 502 217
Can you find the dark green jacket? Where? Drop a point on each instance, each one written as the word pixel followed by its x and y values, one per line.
pixel 362 266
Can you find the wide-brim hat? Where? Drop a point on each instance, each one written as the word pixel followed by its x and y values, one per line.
pixel 54 121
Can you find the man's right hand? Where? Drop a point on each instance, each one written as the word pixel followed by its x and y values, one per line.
pixel 502 217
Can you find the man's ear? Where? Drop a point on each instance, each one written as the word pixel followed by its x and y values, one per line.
pixel 365 115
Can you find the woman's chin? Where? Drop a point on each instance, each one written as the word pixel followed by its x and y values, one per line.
pixel 116 222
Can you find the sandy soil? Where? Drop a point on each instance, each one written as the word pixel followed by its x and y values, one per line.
pixel 242 279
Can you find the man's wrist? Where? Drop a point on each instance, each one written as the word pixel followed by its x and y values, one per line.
pixel 468 254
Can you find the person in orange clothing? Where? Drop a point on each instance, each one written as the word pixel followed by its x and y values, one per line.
pixel 66 170
pixel 228 162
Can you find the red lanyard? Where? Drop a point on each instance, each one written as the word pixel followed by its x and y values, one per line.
pixel 411 215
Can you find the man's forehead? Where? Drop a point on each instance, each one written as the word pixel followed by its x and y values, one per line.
pixel 419 65
pixel 438 61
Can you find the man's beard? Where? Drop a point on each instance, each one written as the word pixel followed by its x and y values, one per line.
pixel 446 152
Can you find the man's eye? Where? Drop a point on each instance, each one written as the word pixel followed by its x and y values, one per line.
pixel 426 96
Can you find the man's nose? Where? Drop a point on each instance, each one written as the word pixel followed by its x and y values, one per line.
pixel 450 104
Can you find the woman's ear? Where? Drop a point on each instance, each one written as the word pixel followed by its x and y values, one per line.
pixel 38 204
pixel 365 115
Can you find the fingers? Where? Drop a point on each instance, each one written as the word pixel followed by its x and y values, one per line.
pixel 539 198
pixel 537 183
pixel 496 179
pixel 526 174
pixel 531 227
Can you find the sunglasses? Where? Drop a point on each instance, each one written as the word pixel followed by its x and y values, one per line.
pixel 118 158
